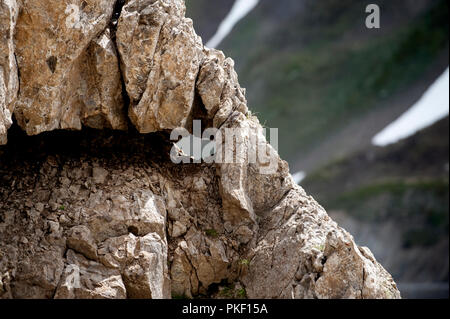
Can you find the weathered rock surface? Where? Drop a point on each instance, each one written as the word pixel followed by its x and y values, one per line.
pixel 302 253
pixel 9 82
pixel 69 69
pixel 87 279
pixel 219 88
pixel 104 214
pixel 161 55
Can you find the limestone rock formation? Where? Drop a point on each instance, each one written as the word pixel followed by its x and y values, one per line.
pixel 9 83
pixel 161 55
pixel 69 71
pixel 107 214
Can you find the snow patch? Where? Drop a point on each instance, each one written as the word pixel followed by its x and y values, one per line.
pixel 432 107
pixel 239 10
pixel 299 177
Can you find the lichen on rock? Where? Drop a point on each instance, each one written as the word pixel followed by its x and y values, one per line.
pixel 106 214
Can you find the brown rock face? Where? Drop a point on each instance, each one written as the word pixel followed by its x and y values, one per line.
pixel 9 82
pixel 69 70
pixel 107 214
pixel 161 55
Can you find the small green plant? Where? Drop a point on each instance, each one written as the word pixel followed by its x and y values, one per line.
pixel 62 207
pixel 227 291
pixel 211 233
pixel 320 247
pixel 245 262
pixel 241 293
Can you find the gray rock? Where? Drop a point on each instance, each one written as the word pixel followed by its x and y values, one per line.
pixel 178 229
pixel 80 239
pixel 161 59
pixel 85 279
pixel 69 71
pixel 99 175
pixel 9 81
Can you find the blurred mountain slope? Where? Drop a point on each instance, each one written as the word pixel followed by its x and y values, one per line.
pixel 314 70
pixel 395 200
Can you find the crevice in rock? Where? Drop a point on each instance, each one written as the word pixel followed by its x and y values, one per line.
pixel 285 195
pixel 318 275
pixel 18 74
pixel 52 63
pixel 263 231
pixel 117 11
pixel 363 281
pixel 193 269
pixel 200 113
pixel 113 24
pixel 133 230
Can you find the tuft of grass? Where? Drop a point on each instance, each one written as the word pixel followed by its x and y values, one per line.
pixel 212 233
pixel 241 293
pixel 227 291
pixel 245 262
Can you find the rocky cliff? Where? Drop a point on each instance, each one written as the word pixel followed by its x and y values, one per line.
pixel 91 205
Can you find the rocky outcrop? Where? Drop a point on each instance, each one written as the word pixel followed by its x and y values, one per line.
pixel 103 214
pixel 161 55
pixel 69 71
pixel 9 82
